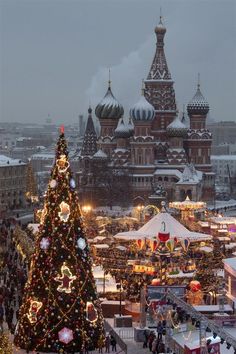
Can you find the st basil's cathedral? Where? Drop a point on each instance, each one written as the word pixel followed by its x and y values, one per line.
pixel 156 153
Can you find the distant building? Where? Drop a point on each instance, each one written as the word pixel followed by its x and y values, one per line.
pixel 224 167
pixel 155 148
pixel 230 277
pixel 12 183
pixel 223 132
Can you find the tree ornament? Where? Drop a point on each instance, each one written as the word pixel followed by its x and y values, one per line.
pixel 81 243
pixel 62 164
pixel 91 312
pixel 44 243
pixel 72 183
pixel 42 214
pixel 53 183
pixel 65 335
pixel 66 279
pixel 65 211
pixel 35 306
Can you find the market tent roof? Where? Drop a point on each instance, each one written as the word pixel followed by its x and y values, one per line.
pixel 102 245
pixel 99 238
pixel 151 229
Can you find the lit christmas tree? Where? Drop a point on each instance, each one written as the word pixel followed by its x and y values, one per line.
pixel 60 309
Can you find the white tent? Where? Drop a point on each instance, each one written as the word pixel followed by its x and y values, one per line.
pixel 151 229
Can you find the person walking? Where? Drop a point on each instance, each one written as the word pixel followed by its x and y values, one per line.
pixel 113 344
pixel 107 344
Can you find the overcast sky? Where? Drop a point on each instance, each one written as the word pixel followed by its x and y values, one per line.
pixel 55 54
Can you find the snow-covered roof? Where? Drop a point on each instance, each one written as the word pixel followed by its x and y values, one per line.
pixel 223 157
pixel 43 156
pixel 230 262
pixel 151 229
pixel 190 175
pixel 8 161
pixel 102 245
pixel 163 172
pixel 100 155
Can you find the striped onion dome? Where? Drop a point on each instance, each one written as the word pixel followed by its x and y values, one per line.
pixel 142 110
pixel 122 130
pixel 198 104
pixel 131 126
pixel 109 107
pixel 176 128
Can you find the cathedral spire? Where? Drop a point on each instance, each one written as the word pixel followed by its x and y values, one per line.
pixel 89 147
pixel 159 68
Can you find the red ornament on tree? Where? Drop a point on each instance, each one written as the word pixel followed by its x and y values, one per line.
pixel 155 282
pixel 195 285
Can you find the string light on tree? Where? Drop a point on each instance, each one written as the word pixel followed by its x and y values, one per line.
pixel 65 335
pixel 62 164
pixel 35 306
pixel 44 243
pixel 65 279
pixel 59 320
pixel 65 212
pixel 81 243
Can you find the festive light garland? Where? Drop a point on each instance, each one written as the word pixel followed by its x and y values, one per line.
pixel 60 317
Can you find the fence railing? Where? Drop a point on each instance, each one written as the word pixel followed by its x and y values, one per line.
pixel 119 340
pixel 126 333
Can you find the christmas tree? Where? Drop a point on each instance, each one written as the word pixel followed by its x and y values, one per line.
pixel 60 309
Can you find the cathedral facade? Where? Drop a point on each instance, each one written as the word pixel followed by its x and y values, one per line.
pixel 155 151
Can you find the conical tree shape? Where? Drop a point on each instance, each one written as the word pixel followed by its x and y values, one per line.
pixel 60 308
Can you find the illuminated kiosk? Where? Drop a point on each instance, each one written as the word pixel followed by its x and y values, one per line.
pixel 188 207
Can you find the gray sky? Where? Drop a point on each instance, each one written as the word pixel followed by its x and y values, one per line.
pixel 55 54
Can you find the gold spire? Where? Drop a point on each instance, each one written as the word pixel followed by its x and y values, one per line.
pixel 198 80
pixel 109 78
pixel 143 88
pixel 160 22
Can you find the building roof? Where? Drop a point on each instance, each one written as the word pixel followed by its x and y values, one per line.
pixel 89 147
pixel 223 157
pixel 230 262
pixel 154 226
pixel 8 161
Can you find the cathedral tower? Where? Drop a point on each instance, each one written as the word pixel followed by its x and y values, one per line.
pixel 159 88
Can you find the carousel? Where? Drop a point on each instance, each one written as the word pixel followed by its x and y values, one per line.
pixel 188 208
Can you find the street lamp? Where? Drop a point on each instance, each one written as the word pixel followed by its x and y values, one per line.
pixel 119 286
pixel 86 208
pixel 140 208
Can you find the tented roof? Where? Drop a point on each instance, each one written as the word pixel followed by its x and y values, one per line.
pixel 151 229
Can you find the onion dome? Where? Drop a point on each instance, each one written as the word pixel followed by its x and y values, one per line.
pixel 109 107
pixel 142 110
pixel 160 28
pixel 122 130
pixel 198 104
pixel 100 155
pixel 176 128
pixel 131 126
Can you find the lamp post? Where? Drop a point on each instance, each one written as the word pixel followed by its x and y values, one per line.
pixel 119 286
pixel 86 208
pixel 140 210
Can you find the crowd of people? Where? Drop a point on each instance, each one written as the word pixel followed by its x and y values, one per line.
pixel 13 275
